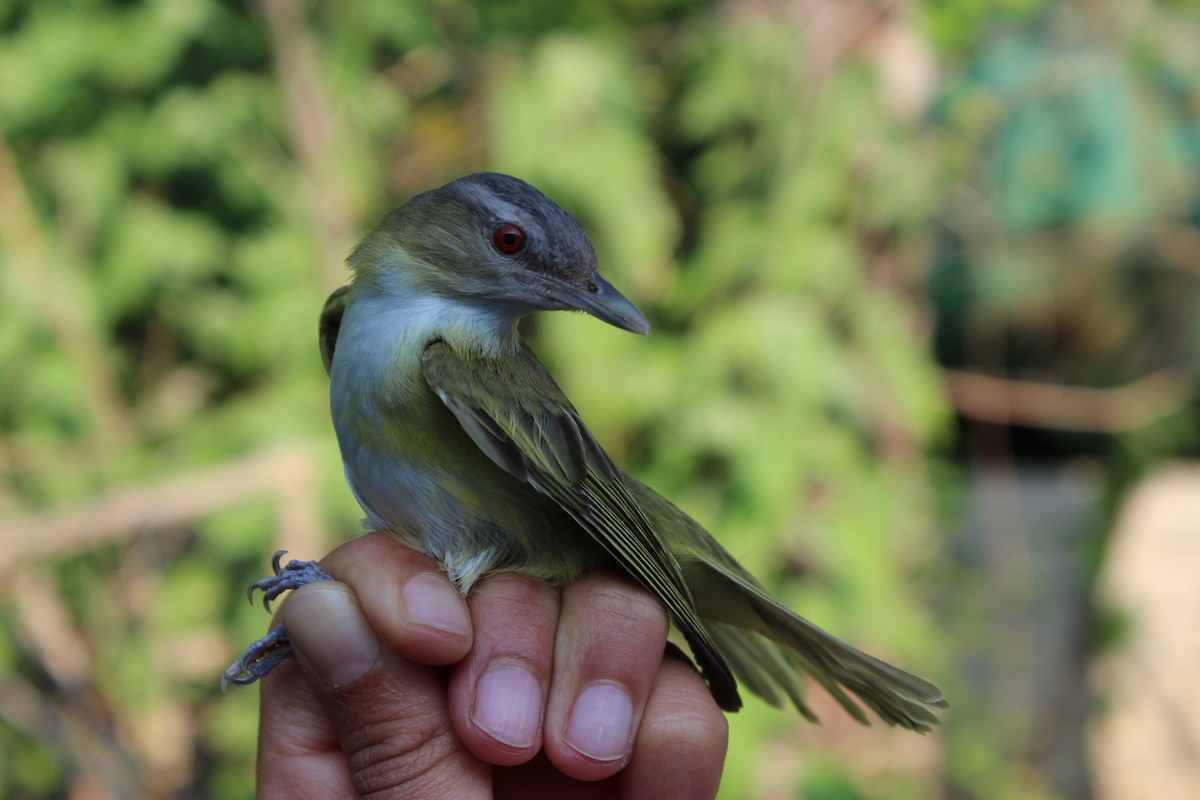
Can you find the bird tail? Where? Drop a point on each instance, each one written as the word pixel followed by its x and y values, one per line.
pixel 764 642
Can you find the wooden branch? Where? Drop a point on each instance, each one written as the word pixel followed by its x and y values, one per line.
pixel 286 473
pixel 318 139
pixel 1072 408
pixel 51 283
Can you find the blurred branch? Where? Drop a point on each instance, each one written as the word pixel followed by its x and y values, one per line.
pixel 318 139
pixel 101 766
pixel 47 627
pixel 1074 408
pixel 60 298
pixel 287 473
pixel 70 711
pixel 1179 245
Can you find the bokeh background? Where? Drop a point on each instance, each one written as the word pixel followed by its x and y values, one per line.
pixel 923 282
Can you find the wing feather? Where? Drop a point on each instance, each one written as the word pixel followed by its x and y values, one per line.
pixel 331 323
pixel 515 412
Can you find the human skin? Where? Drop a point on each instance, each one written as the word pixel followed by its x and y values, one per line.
pixel 402 688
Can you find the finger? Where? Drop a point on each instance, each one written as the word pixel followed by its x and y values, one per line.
pixel 389 715
pixel 498 692
pixel 299 755
pixel 611 634
pixel 681 744
pixel 406 597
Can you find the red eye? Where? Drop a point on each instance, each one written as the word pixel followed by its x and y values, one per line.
pixel 508 238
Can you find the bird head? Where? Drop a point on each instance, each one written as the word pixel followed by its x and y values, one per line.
pixel 495 241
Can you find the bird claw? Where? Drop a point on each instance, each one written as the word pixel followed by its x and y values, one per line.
pixel 292 576
pixel 258 660
pixel 274 648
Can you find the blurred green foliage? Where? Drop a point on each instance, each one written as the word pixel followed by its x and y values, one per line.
pixel 181 179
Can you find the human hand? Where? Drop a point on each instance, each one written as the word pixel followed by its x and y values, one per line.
pixel 400 687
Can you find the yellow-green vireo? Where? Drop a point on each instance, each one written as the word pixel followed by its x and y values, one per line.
pixel 455 438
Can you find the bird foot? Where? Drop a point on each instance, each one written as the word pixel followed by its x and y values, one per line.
pixel 292 576
pixel 259 659
pixel 274 648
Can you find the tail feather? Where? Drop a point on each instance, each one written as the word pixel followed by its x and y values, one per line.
pixel 898 697
pixel 765 643
pixel 760 666
pixel 733 600
pixel 780 664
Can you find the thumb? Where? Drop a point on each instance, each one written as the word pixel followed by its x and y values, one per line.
pixel 389 715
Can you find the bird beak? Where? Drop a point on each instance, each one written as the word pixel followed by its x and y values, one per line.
pixel 597 297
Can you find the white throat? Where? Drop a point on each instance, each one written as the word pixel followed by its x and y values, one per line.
pixel 395 308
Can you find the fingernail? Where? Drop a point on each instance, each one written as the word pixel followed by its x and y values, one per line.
pixel 326 625
pixel 432 602
pixel 508 705
pixel 600 722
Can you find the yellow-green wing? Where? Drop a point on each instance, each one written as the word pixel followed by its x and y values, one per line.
pixel 518 415
pixel 331 322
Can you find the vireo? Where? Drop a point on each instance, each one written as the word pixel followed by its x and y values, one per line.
pixel 455 438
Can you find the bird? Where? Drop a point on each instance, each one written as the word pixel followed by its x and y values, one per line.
pixel 456 439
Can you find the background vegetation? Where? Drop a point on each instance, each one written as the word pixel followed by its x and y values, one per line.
pixel 888 250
